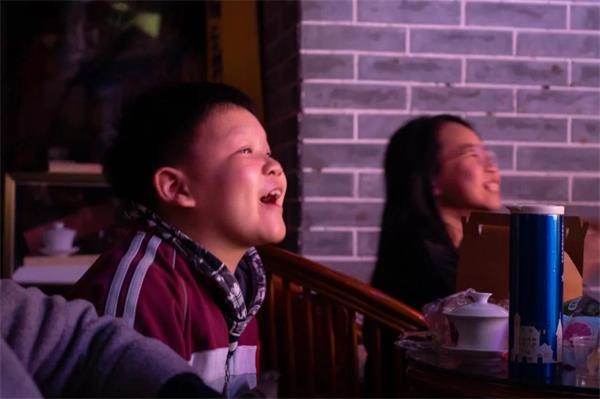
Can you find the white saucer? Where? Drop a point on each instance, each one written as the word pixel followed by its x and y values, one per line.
pixel 55 252
pixel 473 351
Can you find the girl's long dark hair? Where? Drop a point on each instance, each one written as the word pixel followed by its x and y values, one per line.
pixel 410 213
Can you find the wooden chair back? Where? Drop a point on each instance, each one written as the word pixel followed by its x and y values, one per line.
pixel 309 329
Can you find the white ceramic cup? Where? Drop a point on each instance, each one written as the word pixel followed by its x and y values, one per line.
pixel 59 238
pixel 480 325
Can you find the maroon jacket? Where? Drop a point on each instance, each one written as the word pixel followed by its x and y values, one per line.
pixel 144 280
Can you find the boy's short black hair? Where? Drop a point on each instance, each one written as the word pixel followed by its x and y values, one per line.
pixel 157 128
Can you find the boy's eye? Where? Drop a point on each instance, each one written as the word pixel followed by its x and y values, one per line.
pixel 473 152
pixel 246 150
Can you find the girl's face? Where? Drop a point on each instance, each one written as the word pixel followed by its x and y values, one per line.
pixel 468 178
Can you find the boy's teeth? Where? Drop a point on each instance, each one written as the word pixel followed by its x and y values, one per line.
pixel 275 193
pixel 271 196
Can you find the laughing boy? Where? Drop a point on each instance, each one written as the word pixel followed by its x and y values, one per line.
pixel 193 165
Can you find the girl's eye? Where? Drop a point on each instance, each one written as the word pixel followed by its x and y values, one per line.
pixel 246 150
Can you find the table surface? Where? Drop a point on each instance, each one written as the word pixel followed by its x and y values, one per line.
pixel 447 372
pixel 49 275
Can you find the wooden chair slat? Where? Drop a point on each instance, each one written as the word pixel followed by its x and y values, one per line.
pixel 310 344
pixel 313 335
pixel 376 357
pixel 330 348
pixel 352 350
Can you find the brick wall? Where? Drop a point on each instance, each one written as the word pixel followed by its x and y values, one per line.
pixel 281 87
pixel 526 73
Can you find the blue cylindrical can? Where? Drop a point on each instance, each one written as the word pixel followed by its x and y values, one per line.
pixel 536 272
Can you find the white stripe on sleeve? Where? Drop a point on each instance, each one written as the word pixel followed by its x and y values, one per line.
pixel 112 300
pixel 138 278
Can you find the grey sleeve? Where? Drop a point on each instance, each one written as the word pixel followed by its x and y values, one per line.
pixel 70 351
pixel 15 381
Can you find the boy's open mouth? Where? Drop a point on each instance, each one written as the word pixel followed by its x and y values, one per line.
pixel 271 197
pixel 492 186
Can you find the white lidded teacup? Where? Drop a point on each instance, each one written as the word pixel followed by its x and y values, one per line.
pixel 480 325
pixel 58 238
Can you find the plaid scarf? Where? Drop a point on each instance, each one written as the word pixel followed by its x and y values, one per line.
pixel 229 296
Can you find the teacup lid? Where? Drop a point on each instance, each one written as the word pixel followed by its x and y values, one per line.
pixel 479 308
pixel 58 225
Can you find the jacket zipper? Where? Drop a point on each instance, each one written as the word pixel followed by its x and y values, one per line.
pixel 227 375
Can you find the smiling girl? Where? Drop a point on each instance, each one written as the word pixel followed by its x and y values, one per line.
pixel 437 170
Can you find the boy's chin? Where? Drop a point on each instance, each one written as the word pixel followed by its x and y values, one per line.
pixel 273 237
pixel 278 237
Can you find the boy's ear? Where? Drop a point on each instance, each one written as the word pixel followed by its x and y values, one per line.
pixel 172 188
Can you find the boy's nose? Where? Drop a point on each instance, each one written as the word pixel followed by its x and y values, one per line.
pixel 491 166
pixel 274 167
pixel 490 161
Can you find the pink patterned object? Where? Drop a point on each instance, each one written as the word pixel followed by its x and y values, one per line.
pixel 436 320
